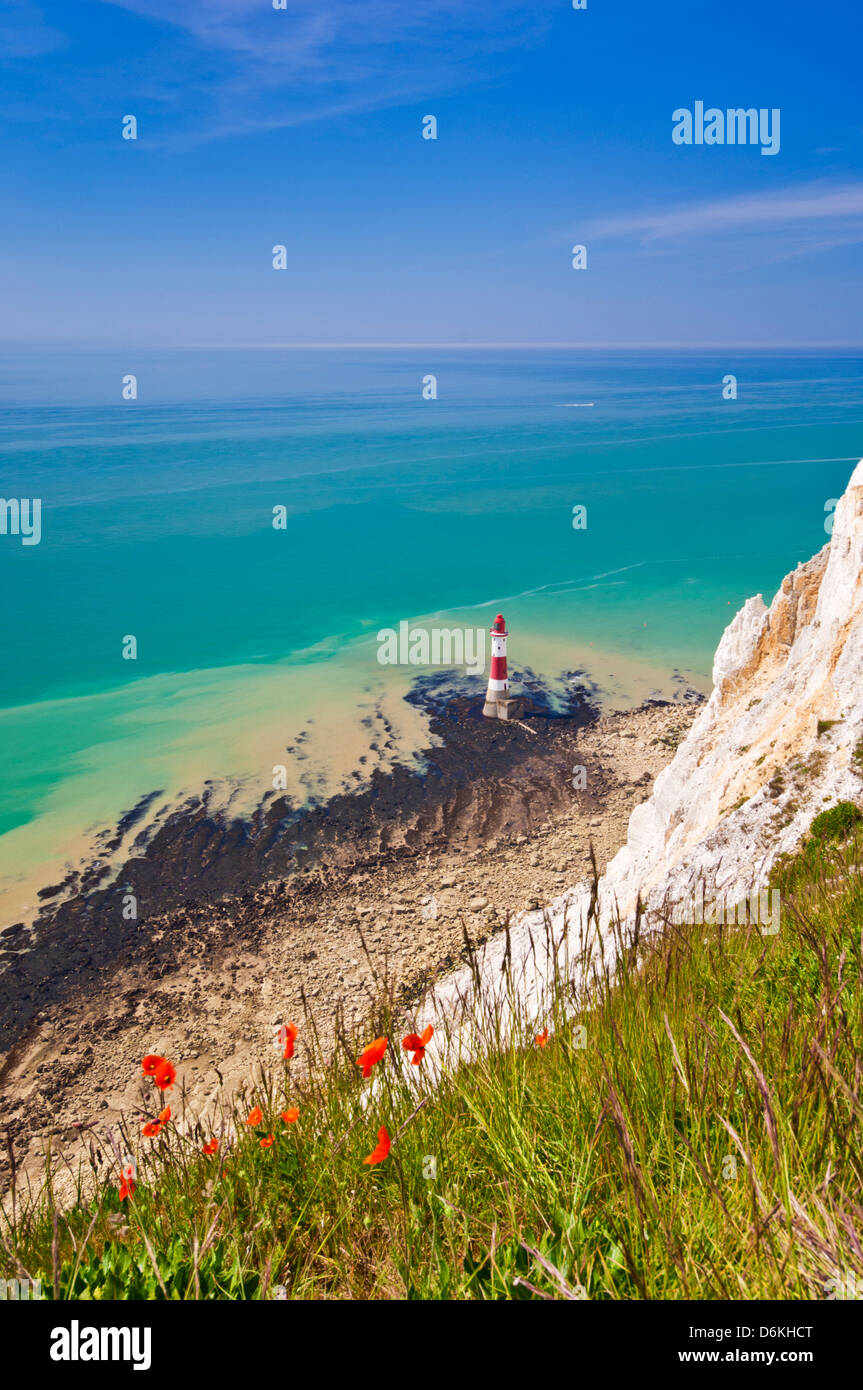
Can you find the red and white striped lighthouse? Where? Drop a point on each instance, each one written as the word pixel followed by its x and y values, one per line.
pixel 498 685
pixel 498 704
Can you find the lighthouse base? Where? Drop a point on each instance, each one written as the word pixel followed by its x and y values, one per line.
pixel 511 708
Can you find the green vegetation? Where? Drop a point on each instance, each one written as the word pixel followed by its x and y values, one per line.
pixel 827 855
pixel 704 1142
pixel 837 823
pixel 672 738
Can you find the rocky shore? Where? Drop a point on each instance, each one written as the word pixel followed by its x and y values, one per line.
pixel 307 914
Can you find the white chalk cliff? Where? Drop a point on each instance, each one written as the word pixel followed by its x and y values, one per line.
pixel 760 761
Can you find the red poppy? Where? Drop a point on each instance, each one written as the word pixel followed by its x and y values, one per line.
pixel 165 1075
pixel 371 1055
pixel 289 1035
pixel 151 1129
pixel 266 1143
pixel 210 1148
pixel 127 1187
pixel 165 1115
pixel 417 1043
pixel 289 1116
pixel 379 1153
pixel 255 1116
pixel 541 1038
pixel 151 1064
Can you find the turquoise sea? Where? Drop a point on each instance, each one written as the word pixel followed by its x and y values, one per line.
pixel 157 522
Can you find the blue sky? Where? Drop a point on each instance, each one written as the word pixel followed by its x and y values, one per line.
pixel 303 127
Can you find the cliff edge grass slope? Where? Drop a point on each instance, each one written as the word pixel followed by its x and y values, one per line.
pixel 774 746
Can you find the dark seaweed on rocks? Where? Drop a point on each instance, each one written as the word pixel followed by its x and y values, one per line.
pixel 477 778
pixel 452 696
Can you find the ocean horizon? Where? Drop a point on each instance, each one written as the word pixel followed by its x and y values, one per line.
pixel 257 645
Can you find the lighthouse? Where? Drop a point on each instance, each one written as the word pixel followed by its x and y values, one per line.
pixel 498 702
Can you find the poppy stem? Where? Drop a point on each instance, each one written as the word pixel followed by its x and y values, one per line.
pixel 416 1111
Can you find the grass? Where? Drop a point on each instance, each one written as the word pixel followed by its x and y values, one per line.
pixel 694 1133
pixel 837 822
pixel 835 827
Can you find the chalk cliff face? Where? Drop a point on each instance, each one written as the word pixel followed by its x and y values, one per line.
pixel 760 761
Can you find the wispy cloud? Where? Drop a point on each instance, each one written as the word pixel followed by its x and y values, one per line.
pixel 815 208
pixel 24 33
pixel 240 65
